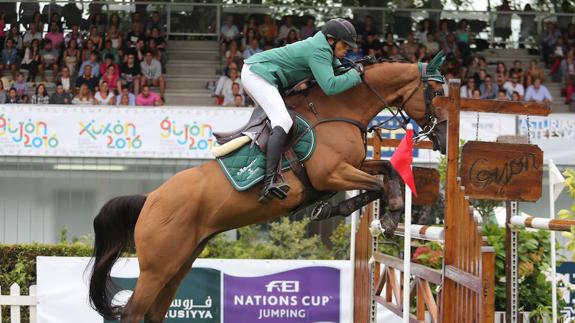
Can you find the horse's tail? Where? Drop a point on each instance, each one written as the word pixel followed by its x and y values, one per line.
pixel 114 231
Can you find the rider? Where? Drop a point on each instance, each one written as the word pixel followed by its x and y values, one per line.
pixel 264 74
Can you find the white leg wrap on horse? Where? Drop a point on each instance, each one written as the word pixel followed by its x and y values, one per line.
pixel 268 97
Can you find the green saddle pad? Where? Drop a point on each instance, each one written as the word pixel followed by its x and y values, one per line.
pixel 245 167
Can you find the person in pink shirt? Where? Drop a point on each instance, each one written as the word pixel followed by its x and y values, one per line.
pixel 148 98
pixel 112 78
pixel 109 61
pixel 55 35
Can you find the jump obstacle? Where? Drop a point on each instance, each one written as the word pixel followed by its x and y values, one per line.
pixel 466 281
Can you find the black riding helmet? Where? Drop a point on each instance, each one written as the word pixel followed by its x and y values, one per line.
pixel 340 29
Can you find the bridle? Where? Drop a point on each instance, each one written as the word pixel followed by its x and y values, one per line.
pixel 399 114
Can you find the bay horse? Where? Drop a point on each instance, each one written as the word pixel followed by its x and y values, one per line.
pixel 171 225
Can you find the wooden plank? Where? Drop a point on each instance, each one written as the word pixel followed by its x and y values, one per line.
pixel 14 309
pixel 463 278
pixel 33 312
pixel 488 276
pixel 499 171
pixel 429 300
pixel 417 270
pixel 496 106
pixel 397 310
pixel 426 184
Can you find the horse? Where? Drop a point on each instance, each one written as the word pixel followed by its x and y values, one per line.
pixel 170 226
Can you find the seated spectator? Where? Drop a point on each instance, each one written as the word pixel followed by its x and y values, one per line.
pixel 229 31
pixel 13 97
pixel 49 58
pixel 534 71
pixel 421 54
pixel 253 49
pixel 96 38
pixel 30 35
pixel 476 94
pixel 25 99
pixel 161 43
pixel 115 37
pixel 115 21
pixel 87 50
pixel 104 96
pixel 538 92
pixel 481 76
pixel 239 101
pixel 41 96
pixel 515 96
pixel 74 36
pixel 489 89
pixel 151 71
pixel 232 53
pixel 65 79
pixel 55 36
pixel 2 93
pixel 309 29
pixel 409 47
pixel 285 30
pixel 467 89
pixel 72 57
pixel 224 85
pixel 60 96
pixel 148 98
pixel 249 37
pixel 9 59
pixel 372 42
pixel 112 78
pixel 126 93
pixel 155 22
pixel 110 51
pixel 450 46
pixel 84 95
pixel 93 63
pixel 230 96
pixel 423 31
pixel 513 85
pixel 291 38
pixel 130 74
pixel 518 69
pixel 20 85
pixel 87 79
pixel 123 100
pixel 432 45
pixel 502 95
pixel 268 30
pixel 15 35
pixel 134 35
pixel 548 42
pixel 368 28
pixel 109 61
pixel 501 74
pixel 156 53
pixel 99 23
pixel 388 43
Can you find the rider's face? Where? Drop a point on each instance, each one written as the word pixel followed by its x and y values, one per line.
pixel 341 49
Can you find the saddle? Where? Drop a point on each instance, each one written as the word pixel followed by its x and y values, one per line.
pixel 258 127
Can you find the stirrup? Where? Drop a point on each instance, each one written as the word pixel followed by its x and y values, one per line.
pixel 275 189
pixel 322 211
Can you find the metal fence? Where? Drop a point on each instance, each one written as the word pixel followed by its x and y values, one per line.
pixel 204 18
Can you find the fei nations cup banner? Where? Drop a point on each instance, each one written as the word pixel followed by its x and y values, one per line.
pixel 214 291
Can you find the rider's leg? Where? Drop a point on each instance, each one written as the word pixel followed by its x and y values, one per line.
pixel 269 98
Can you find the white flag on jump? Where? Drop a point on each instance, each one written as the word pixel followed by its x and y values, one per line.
pixel 556 179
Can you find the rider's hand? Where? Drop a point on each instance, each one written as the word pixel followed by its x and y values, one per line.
pixel 359 68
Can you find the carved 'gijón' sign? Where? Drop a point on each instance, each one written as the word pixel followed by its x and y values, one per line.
pixel 499 171
pixel 426 184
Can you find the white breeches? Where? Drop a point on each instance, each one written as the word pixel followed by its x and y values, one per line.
pixel 268 97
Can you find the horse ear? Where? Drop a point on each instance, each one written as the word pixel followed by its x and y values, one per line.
pixel 436 62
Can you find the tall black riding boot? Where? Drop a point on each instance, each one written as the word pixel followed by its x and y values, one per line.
pixel 274 186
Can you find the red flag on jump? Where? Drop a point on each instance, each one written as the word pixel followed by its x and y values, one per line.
pixel 403 157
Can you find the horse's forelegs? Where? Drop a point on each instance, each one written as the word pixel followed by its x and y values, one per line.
pixel 158 310
pixel 389 217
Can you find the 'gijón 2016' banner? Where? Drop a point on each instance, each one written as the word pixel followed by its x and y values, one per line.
pixel 214 291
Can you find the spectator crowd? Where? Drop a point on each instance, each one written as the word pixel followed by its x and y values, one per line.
pixel 107 61
pixel 481 78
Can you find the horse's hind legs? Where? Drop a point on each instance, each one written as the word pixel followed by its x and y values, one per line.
pixel 158 310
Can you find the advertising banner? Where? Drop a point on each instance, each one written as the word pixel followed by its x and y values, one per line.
pixel 554 134
pixel 218 291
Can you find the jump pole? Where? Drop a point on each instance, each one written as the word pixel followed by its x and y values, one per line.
pixel 407 252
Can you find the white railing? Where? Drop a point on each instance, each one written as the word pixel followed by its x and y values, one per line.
pixel 16 301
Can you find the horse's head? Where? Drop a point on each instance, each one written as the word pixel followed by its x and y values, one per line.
pixel 410 88
pixel 419 103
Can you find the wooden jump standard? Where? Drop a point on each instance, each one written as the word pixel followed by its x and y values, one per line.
pixel 466 282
